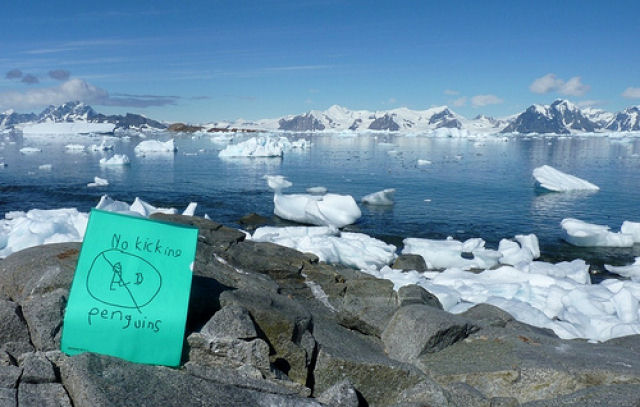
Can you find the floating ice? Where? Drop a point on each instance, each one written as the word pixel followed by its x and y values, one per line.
pixel 103 146
pixel 74 147
pixel 631 271
pixel 277 182
pixel 317 190
pixel 442 254
pixel 514 254
pixel 424 162
pixel 383 198
pixel 261 146
pixel 30 150
pixel 329 209
pixel 69 128
pixel 117 159
pixel 583 234
pixel 631 228
pixel 45 167
pixel 98 182
pixel 155 146
pixel 330 245
pixel 554 180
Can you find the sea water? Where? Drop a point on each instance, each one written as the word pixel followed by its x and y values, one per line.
pixel 471 187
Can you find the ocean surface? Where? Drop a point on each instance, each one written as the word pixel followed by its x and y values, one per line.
pixel 472 188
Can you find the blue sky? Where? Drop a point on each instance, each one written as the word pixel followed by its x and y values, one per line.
pixel 201 61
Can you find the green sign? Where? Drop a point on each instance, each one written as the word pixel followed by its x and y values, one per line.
pixel 130 291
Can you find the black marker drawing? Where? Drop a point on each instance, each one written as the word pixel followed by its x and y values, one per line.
pixel 123 280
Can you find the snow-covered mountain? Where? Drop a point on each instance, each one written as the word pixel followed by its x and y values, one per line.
pixel 561 117
pixel 626 120
pixel 78 112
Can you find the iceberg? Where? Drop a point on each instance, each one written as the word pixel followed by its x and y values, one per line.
pixel 117 159
pixel 330 245
pixel 155 146
pixel 261 146
pixel 557 181
pixel 103 146
pixel 69 128
pixel 323 210
pixel 382 198
pixel 583 234
pixel 98 182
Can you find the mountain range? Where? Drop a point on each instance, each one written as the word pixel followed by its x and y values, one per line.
pixel 560 117
pixel 74 112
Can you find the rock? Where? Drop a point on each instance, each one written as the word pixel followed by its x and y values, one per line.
pixel 13 326
pixel 414 294
pixel 368 305
pixel 37 369
pixel 6 359
pixel 285 325
pixel 341 394
pixel 463 395
pixel 183 128
pixel 427 392
pixel 252 220
pixel 488 315
pixel 619 395
pixel 504 402
pixel 9 376
pixel 8 397
pixel 42 395
pixel 232 322
pixel 17 349
pixel 410 262
pixel 346 354
pixel 44 314
pixel 229 352
pixel 213 234
pixel 38 270
pixel 418 329
pixel 96 380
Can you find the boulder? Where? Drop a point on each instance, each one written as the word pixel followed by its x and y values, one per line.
pixel 8 397
pixel 488 315
pixel 368 304
pixel 42 395
pixel 229 352
pixel 37 369
pixel 232 322
pixel 9 376
pixel 414 294
pixel 463 395
pixel 13 326
pixel 44 315
pixel 410 262
pixel 341 394
pixel 619 395
pixel 418 329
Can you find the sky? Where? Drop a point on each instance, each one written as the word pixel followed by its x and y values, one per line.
pixel 206 60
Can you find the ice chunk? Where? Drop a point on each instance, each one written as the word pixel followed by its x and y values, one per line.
pixel 261 146
pixel 74 147
pixel 424 162
pixel 155 146
pixel 103 146
pixel 383 198
pixel 515 254
pixel 45 167
pixel 117 159
pixel 69 128
pixel 631 228
pixel 277 182
pixel 330 245
pixel 190 209
pixel 30 150
pixel 98 182
pixel 554 180
pixel 330 209
pixel 442 254
pixel 630 271
pixel 317 190
pixel 583 234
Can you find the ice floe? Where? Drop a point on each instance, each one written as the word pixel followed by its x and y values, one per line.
pixel 330 245
pixel 117 159
pixel 383 198
pixel 277 182
pixel 103 146
pixel 155 146
pixel 261 146
pixel 30 150
pixel 558 181
pixel 583 234
pixel 442 254
pixel 74 147
pixel 98 182
pixel 631 271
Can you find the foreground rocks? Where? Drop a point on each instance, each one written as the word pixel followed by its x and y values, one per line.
pixel 270 326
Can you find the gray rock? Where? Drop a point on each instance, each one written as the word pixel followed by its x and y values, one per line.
pixel 368 305
pixel 346 354
pixel 427 392
pixel 37 369
pixel 229 352
pixel 17 349
pixel 414 294
pixel 42 395
pixel 488 315
pixel 341 394
pixel 6 359
pixel 618 395
pixel 9 376
pixel 13 326
pixel 38 270
pixel 232 322
pixel 96 380
pixel 504 402
pixel 8 397
pixel 463 395
pixel 305 122
pixel 410 262
pixel 283 322
pixel 385 122
pixel 44 315
pixel 418 329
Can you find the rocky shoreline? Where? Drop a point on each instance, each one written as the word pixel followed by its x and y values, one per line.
pixel 270 326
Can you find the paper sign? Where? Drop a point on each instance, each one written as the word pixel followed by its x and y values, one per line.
pixel 130 291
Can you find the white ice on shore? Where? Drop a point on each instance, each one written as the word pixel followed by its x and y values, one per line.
pixel 261 146
pixel 117 159
pixel 155 146
pixel 98 182
pixel 69 128
pixel 558 181
pixel 631 271
pixel 442 254
pixel 631 228
pixel 583 234
pixel 330 245
pixel 382 198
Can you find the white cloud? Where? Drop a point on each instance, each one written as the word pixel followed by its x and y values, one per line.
pixel 484 100
pixel 588 103
pixel 460 101
pixel 631 93
pixel 551 83
pixel 451 92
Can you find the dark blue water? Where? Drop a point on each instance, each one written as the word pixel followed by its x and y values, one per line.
pixel 476 188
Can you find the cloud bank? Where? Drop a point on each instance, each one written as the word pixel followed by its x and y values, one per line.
pixel 631 93
pixel 551 83
pixel 485 100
